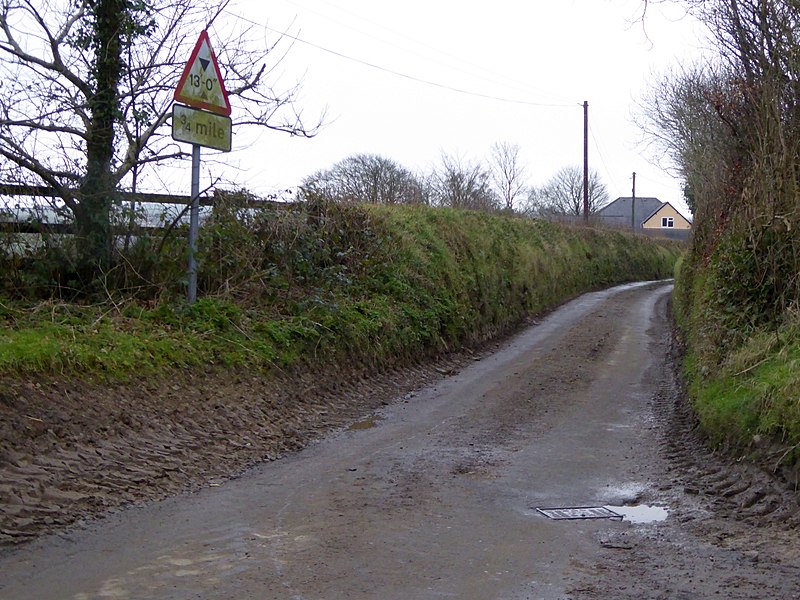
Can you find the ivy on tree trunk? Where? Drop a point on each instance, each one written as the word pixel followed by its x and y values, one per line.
pixel 98 186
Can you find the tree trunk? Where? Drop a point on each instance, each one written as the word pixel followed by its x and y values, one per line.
pixel 97 190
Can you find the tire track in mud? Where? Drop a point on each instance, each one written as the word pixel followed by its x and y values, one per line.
pixel 732 529
pixel 725 535
pixel 743 491
pixel 71 451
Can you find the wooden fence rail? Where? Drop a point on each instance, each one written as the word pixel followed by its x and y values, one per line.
pixel 58 228
pixel 41 191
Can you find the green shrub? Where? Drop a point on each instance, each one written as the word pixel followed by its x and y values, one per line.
pixel 320 284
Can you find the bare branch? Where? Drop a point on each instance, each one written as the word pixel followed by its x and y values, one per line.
pixel 508 173
pixel 64 121
pixel 563 193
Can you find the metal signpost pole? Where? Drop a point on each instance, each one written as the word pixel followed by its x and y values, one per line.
pixel 194 223
pixel 633 204
pixel 203 120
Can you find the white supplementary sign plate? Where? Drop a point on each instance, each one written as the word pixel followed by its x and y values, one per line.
pixel 201 127
pixel 201 84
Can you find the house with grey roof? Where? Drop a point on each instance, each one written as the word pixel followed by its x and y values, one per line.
pixel 645 215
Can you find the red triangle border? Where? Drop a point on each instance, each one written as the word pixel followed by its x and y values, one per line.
pixel 226 110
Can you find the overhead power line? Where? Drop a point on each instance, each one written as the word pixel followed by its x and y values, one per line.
pixel 406 75
pixel 453 62
pixel 600 153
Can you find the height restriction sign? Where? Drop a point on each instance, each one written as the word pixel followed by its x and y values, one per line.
pixel 201 84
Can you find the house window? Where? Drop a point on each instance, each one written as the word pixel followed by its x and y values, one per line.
pixel 667 222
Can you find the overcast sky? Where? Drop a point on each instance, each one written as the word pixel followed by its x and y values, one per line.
pixel 456 76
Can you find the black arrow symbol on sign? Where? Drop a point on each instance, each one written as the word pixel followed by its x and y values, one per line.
pixel 204 62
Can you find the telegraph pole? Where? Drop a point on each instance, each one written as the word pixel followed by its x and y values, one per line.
pixel 586 162
pixel 633 203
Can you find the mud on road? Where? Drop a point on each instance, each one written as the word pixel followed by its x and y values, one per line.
pixel 733 529
pixel 422 483
pixel 72 451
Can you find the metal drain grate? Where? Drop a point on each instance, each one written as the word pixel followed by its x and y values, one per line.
pixel 579 512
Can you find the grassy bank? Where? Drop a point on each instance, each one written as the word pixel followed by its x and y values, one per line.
pixel 744 375
pixel 375 286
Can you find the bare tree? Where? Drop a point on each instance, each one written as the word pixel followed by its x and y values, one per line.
pixel 366 178
pixel 563 193
pixel 732 125
pixel 458 183
pixel 508 173
pixel 532 204
pixel 691 115
pixel 87 92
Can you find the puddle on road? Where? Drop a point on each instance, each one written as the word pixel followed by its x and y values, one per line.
pixel 641 514
pixel 365 424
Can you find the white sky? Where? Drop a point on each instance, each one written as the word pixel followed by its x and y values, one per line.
pixel 556 52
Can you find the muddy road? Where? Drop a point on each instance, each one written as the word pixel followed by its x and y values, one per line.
pixel 436 494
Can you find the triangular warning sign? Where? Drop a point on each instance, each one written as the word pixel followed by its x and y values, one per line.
pixel 201 83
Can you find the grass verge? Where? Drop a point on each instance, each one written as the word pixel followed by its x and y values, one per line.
pixel 745 384
pixel 376 286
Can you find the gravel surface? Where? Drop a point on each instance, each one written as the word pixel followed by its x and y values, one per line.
pixel 421 483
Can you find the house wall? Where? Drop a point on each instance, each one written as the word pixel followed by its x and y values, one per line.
pixel 667 210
